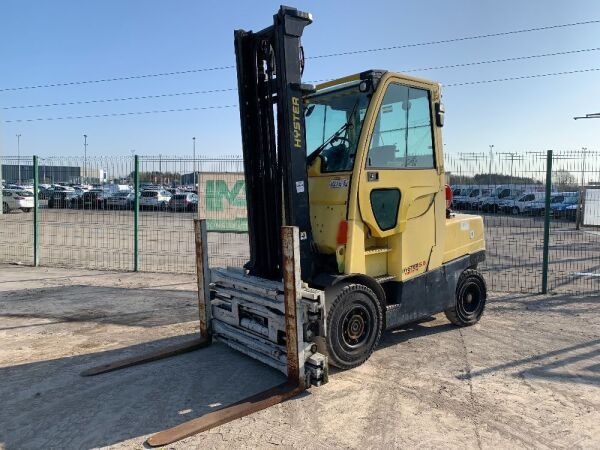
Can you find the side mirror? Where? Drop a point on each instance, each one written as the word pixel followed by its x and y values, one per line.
pixel 439 114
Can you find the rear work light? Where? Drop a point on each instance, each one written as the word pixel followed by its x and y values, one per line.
pixel 342 234
pixel 449 196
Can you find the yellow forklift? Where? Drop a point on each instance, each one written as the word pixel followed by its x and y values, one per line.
pixel 357 165
pixel 349 222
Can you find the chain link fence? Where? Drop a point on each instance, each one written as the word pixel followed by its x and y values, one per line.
pixel 136 213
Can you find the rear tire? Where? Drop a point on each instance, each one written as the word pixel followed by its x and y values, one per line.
pixel 354 326
pixel 26 210
pixel 471 295
pixel 5 208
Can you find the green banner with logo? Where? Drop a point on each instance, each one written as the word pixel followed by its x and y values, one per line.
pixel 222 198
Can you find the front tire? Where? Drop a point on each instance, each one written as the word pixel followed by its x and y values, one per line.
pixel 471 295
pixel 354 326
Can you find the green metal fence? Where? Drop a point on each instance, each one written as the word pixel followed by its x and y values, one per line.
pixel 16 230
pixel 119 231
pixel 132 222
pixel 534 242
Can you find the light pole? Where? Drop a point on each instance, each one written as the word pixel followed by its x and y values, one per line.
pixel 19 155
pixel 491 158
pixel 160 168
pixel 132 157
pixel 194 158
pixel 85 156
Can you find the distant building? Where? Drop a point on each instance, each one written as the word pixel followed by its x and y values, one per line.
pixel 51 174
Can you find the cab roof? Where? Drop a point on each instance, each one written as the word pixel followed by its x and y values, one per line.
pixel 373 74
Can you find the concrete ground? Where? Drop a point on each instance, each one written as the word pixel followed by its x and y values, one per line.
pixel 527 376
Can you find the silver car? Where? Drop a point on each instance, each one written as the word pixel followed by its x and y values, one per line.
pixel 155 199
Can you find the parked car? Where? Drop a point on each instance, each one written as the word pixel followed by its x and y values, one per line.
pixel 559 210
pixel 121 200
pixel 21 187
pixel 505 204
pixel 44 192
pixel 94 199
pixel 155 199
pixel 63 199
pixel 174 191
pixel 475 201
pixel 184 202
pixel 13 199
pixel 114 188
pixel 469 197
pixel 571 211
pixel 463 199
pixel 518 205
pixel 493 202
pixel 61 188
pixel 150 187
pixel 558 202
pixel 537 207
pixel 81 187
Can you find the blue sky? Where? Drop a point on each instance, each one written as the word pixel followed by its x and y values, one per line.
pixel 45 42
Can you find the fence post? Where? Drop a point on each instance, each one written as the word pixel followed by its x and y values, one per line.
pixel 203 277
pixel 547 222
pixel 36 214
pixel 136 211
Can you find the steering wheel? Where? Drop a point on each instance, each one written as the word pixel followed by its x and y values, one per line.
pixel 342 139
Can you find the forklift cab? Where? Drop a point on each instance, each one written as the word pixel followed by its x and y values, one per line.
pixel 375 170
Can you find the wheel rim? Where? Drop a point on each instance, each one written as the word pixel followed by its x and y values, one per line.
pixel 471 299
pixel 356 326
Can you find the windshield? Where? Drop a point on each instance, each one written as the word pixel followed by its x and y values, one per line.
pixel 340 110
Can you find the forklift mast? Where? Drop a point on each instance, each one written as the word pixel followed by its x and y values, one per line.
pixel 270 63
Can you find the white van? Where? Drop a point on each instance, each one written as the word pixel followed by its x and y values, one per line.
pixel 466 197
pixel 521 204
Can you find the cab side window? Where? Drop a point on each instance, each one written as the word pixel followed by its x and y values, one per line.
pixel 403 136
